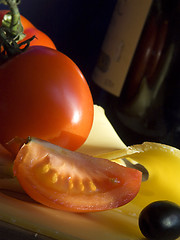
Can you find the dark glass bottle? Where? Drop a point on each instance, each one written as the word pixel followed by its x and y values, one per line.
pixel 145 106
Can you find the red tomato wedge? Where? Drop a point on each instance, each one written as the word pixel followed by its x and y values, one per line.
pixel 71 181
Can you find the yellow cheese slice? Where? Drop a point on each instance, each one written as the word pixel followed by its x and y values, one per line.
pixel 102 138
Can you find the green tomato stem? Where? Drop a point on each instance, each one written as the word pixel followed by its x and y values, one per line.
pixel 12 21
pixel 11 31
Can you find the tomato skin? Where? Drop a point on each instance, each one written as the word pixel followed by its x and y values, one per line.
pixel 44 94
pixel 30 30
pixel 71 181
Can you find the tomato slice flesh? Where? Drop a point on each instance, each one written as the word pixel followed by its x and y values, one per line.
pixel 71 181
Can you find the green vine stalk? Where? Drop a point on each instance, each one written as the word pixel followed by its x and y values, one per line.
pixel 11 31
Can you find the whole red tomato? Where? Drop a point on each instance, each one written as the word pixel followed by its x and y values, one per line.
pixel 44 94
pixel 30 30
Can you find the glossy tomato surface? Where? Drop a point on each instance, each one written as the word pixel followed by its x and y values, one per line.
pixel 41 39
pixel 44 94
pixel 72 181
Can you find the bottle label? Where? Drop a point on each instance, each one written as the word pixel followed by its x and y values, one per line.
pixel 120 44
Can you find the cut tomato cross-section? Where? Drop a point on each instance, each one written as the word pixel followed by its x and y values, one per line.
pixel 72 181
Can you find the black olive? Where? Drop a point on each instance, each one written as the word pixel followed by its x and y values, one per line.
pixel 160 220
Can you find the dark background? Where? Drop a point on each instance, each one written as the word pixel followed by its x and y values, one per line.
pixel 77 27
